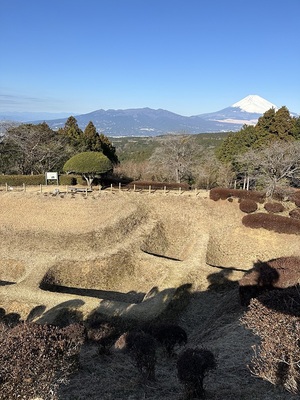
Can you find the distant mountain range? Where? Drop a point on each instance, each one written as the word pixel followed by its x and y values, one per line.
pixel 150 122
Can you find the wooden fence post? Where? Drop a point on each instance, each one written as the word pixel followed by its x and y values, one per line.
pixel 134 187
pixel 149 189
pixel 6 187
pixel 180 191
pixel 41 188
pixel 111 187
pixel 120 186
pixel 165 190
pixel 24 187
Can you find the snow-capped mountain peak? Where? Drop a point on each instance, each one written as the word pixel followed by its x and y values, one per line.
pixel 254 104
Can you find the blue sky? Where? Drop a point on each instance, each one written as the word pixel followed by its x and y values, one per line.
pixel 185 56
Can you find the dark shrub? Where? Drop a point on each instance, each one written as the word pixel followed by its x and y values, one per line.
pixel 192 366
pixel 142 349
pixel 34 359
pixel 274 207
pixel 274 317
pixel 104 334
pixel 69 180
pixel 169 335
pixel 223 194
pixel 272 222
pixel 295 213
pixel 278 273
pixel 248 206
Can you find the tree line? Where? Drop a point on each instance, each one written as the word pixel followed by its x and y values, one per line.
pixel 36 148
pixel 265 156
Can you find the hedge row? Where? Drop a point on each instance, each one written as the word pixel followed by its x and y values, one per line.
pixel 19 180
pixel 158 185
pixel 223 194
pixel 272 222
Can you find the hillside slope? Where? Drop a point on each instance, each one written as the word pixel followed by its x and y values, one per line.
pixel 105 253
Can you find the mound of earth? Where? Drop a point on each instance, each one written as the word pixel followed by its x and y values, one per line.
pixel 119 253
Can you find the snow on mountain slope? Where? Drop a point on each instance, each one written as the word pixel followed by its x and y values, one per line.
pixel 254 104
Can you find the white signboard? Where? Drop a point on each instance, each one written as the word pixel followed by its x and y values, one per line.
pixel 51 176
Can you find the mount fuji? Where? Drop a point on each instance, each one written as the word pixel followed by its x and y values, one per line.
pixel 246 111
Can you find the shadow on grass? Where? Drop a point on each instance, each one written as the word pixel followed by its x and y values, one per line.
pixel 130 297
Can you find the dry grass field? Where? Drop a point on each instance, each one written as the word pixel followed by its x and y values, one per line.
pixel 130 255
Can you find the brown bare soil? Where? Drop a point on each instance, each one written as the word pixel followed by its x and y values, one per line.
pixel 129 255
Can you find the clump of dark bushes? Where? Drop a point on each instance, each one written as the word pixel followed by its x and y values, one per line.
pixel 141 344
pixel 223 194
pixel 248 206
pixel 272 222
pixel 278 273
pixel 274 207
pixel 275 318
pixel 35 359
pixel 192 367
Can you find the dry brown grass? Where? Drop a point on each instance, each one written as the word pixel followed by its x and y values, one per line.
pixel 146 240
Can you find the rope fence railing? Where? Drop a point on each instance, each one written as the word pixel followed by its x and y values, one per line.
pixel 112 188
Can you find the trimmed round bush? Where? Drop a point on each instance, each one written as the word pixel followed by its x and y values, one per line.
pixel 295 197
pixel 295 213
pixel 274 207
pixel 88 162
pixel 248 206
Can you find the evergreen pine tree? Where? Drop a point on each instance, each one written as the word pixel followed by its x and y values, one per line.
pixel 91 139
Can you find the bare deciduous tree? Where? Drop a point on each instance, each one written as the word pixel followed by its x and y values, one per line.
pixel 277 163
pixel 210 172
pixel 173 160
pixel 36 148
pixel 132 169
